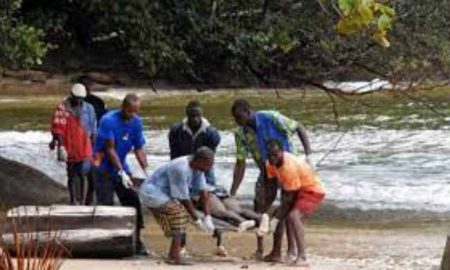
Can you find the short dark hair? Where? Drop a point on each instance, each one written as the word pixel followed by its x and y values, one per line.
pixel 273 145
pixel 240 105
pixel 129 99
pixel 85 80
pixel 194 104
pixel 203 153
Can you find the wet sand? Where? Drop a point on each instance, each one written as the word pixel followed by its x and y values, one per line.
pixel 328 249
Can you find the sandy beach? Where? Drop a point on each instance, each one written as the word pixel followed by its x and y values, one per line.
pixel 328 249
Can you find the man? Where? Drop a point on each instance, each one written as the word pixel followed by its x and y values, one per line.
pixel 256 128
pixel 119 132
pixel 100 110
pixel 302 194
pixel 192 133
pixel 167 195
pixel 98 104
pixel 74 129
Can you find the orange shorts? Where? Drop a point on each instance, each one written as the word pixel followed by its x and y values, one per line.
pixel 308 201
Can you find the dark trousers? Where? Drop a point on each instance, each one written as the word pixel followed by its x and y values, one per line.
pixel 106 186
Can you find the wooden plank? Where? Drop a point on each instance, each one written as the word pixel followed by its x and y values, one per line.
pixel 37 219
pixel 92 231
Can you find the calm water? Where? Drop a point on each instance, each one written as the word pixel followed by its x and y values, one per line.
pixel 369 168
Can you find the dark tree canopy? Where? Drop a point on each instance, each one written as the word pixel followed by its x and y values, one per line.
pixel 253 41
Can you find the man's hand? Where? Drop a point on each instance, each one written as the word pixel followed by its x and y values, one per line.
pixel 199 224
pixel 126 180
pixel 208 224
pixel 52 145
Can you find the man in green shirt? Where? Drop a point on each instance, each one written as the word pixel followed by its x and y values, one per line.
pixel 254 131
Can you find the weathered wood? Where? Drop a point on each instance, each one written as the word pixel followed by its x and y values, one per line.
pixel 85 231
pixel 445 264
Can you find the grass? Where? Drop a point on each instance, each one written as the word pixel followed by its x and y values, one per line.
pixel 313 108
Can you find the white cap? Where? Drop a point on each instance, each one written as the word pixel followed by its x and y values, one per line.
pixel 78 90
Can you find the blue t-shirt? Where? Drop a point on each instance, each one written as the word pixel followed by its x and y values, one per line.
pixel 127 135
pixel 171 181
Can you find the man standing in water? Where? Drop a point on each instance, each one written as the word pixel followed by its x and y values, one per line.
pixel 255 129
pixel 119 132
pixel 73 129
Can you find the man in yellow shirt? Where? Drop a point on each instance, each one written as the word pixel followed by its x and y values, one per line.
pixel 302 193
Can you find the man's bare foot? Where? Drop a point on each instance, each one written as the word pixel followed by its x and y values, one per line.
pixel 289 257
pixel 221 251
pixel 272 257
pixel 258 255
pixel 178 261
pixel 264 225
pixel 245 225
pixel 298 262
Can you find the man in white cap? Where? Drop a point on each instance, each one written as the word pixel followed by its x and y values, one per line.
pixel 73 128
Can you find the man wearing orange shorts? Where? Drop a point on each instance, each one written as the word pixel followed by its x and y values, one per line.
pixel 302 193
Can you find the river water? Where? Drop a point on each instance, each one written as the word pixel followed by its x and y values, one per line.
pixel 367 169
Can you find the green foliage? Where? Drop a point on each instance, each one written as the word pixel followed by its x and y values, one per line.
pixel 21 45
pixel 358 15
pixel 225 41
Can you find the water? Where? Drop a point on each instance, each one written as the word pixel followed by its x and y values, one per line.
pixel 368 169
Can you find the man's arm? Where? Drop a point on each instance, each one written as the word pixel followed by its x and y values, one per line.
pixel 287 201
pixel 301 132
pixel 141 157
pixel 214 138
pixel 238 175
pixel 173 143
pixel 112 154
pixel 189 208
pixel 204 198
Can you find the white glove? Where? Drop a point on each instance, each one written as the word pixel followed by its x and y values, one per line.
pixel 310 162
pixel 199 224
pixel 61 154
pixel 126 180
pixel 264 226
pixel 208 223
pixel 273 224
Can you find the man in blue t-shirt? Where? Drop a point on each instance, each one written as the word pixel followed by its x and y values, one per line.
pixel 120 132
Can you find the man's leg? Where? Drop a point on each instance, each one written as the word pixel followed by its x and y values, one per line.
pixel 129 197
pixel 233 205
pixel 294 219
pixel 104 188
pixel 90 188
pixel 275 254
pixel 173 220
pixel 175 248
pixel 292 247
pixel 219 210
pixel 71 174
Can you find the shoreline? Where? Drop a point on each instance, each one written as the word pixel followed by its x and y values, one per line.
pixel 327 249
